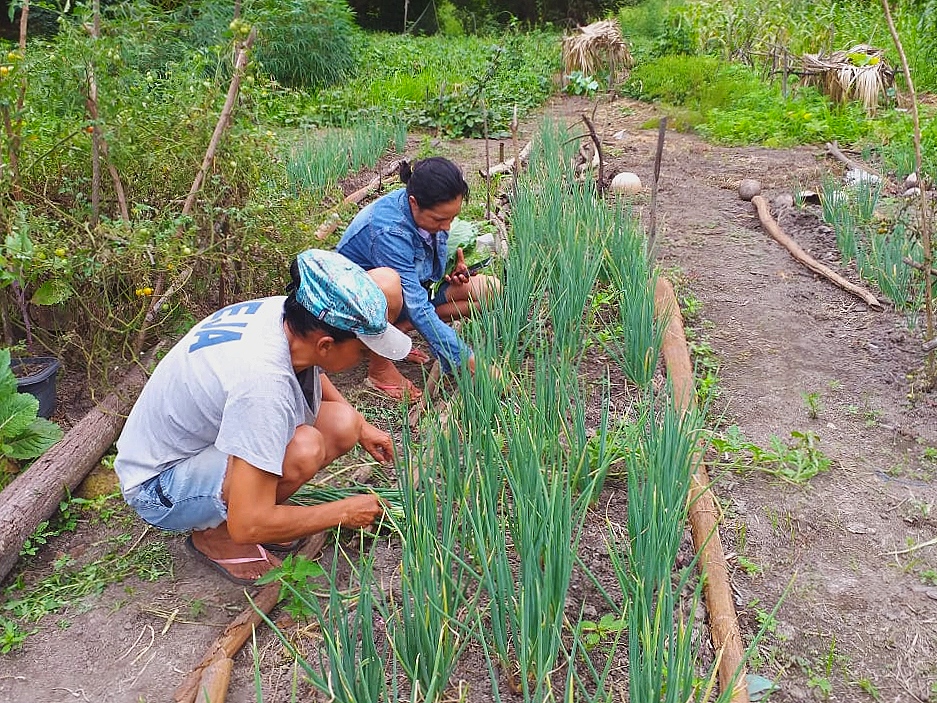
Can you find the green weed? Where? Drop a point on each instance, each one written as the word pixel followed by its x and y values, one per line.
pixel 796 462
pixel 70 585
pixel 594 633
pixel 812 403
pixel 750 567
pixel 12 635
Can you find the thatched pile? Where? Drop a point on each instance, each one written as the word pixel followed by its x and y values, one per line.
pixel 596 48
pixel 860 73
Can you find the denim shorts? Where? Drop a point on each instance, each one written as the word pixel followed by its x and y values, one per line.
pixel 437 300
pixel 186 496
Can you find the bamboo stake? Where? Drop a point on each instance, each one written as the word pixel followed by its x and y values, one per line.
pixel 703 515
pixel 223 120
pixel 14 131
pixel 764 214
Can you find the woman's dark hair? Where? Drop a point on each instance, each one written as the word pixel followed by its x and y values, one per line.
pixel 300 321
pixel 433 181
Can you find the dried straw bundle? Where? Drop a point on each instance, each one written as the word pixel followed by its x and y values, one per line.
pixel 597 46
pixel 860 73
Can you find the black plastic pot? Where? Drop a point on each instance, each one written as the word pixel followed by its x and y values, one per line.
pixel 39 381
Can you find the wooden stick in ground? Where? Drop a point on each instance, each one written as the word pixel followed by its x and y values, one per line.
pixel 598 150
pixel 926 222
pixel 416 412
pixel 652 217
pixel 703 516
pixel 35 494
pixel 236 634
pixel 509 165
pixel 772 228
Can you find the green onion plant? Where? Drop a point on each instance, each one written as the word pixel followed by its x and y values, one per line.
pixel 661 651
pixel 426 629
pixel 350 667
pixel 629 271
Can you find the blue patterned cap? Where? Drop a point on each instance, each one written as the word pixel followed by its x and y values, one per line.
pixel 340 293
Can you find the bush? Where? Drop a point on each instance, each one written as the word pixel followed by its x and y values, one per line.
pixel 308 43
pixel 730 104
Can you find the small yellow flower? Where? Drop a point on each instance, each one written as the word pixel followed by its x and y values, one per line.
pixel 147 291
pixel 807 115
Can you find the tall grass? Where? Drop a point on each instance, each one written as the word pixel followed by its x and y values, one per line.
pixel 321 159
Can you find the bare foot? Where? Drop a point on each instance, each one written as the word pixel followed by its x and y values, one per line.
pixel 383 376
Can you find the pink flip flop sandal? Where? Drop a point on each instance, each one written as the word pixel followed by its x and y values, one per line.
pixel 218 564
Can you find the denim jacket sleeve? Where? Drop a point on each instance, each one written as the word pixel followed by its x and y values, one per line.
pixel 396 249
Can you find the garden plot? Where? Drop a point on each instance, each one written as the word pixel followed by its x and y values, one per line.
pixel 508 479
pixel 766 335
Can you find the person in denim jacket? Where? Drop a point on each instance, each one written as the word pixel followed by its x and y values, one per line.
pixel 407 230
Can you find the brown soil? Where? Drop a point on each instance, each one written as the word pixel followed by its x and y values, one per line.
pixel 856 622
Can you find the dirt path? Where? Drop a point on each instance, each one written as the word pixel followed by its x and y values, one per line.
pixel 856 624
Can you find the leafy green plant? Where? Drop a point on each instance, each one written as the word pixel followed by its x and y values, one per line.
pixel 594 633
pixel 296 575
pixel 580 84
pixel 812 403
pixel 796 462
pixel 23 434
pixel 12 635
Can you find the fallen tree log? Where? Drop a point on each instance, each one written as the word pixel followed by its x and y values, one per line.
pixel 35 494
pixel 703 515
pixel 772 228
